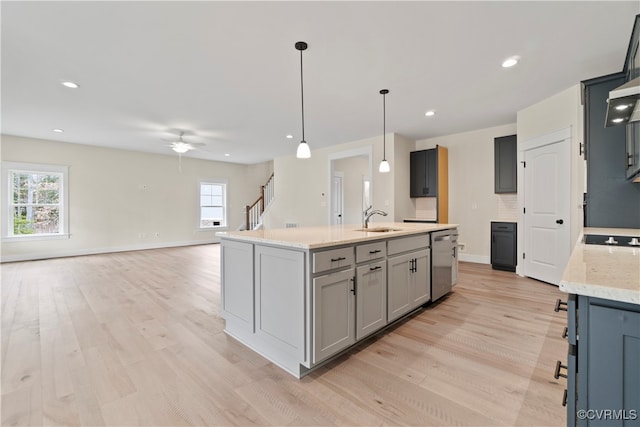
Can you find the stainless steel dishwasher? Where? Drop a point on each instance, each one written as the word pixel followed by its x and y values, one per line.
pixel 443 257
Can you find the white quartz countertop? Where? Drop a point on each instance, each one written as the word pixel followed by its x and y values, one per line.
pixel 608 272
pixel 330 235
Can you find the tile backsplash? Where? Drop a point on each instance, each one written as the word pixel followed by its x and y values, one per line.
pixel 507 207
pixel 426 208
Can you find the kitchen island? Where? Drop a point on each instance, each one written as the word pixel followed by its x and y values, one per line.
pixel 603 332
pixel 301 296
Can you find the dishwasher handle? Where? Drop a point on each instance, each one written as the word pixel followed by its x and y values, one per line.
pixel 442 238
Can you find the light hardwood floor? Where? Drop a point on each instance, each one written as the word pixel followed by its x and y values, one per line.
pixel 136 339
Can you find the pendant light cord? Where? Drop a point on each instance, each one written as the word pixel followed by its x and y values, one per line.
pixel 384 127
pixel 302 95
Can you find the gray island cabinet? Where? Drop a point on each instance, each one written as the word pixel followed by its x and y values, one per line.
pixel 603 332
pixel 301 296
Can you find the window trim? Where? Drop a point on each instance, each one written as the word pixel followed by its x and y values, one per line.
pixel 225 206
pixel 7 169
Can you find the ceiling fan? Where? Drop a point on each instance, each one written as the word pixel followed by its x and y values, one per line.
pixel 181 146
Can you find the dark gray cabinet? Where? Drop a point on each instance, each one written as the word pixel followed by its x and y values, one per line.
pixel 633 129
pixel 424 173
pixel 612 201
pixel 633 149
pixel 503 245
pixel 505 161
pixel 606 378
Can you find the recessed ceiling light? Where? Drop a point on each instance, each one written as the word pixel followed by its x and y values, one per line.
pixel 622 107
pixel 289 136
pixel 58 130
pixel 510 62
pixel 430 113
pixel 617 120
pixel 71 85
pixel 227 154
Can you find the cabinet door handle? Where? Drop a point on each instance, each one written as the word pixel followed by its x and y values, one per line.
pixel 557 373
pixel 375 268
pixel 628 161
pixel 565 332
pixel 415 265
pixel 375 252
pixel 559 221
pixel 338 259
pixel 353 289
pixel 560 305
pixel 564 398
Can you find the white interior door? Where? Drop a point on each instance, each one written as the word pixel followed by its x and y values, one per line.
pixel 337 198
pixel 547 206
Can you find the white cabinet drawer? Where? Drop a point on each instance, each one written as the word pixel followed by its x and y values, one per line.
pixel 406 244
pixel 371 251
pixel 332 259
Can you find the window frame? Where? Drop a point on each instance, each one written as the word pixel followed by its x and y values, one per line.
pixel 225 189
pixel 8 168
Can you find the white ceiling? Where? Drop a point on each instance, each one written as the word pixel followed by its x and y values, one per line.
pixel 228 72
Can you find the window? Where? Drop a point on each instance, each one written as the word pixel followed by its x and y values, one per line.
pixel 213 204
pixel 35 201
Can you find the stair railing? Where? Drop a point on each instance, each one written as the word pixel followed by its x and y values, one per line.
pixel 253 212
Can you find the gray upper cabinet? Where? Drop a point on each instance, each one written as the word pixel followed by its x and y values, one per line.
pixel 612 200
pixel 424 173
pixel 633 129
pixel 506 172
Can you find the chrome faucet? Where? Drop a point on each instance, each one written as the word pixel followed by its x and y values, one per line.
pixel 368 213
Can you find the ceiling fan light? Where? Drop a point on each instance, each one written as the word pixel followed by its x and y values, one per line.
pixel 384 167
pixel 181 147
pixel 303 151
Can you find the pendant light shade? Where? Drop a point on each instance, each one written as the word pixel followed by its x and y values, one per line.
pixel 303 151
pixel 384 165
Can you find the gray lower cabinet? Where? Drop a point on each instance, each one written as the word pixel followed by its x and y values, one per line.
pixel 333 313
pixel 280 300
pixel 237 300
pixel 606 377
pixel 409 282
pixel 371 298
pixel 503 245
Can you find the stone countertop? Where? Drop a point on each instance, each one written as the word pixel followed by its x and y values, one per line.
pixel 330 235
pixel 604 271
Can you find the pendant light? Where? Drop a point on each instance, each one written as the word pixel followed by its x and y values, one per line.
pixel 384 165
pixel 303 151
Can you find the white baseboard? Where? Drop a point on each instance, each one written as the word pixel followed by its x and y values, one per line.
pixel 95 251
pixel 478 259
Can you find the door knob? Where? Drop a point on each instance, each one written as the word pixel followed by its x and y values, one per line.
pixel 559 221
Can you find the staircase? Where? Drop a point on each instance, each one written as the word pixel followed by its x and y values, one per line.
pixel 253 213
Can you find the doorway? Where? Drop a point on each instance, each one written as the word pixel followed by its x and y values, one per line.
pixel 546 215
pixel 337 198
pixel 351 168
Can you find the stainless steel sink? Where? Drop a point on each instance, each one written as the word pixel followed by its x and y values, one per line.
pixel 378 229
